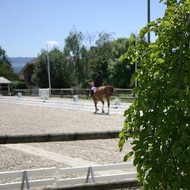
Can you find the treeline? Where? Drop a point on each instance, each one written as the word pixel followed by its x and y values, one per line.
pixel 6 69
pixel 78 62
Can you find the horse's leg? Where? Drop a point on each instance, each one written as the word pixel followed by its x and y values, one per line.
pixel 95 105
pixel 102 105
pixel 108 100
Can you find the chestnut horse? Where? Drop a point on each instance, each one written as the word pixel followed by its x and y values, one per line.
pixel 100 93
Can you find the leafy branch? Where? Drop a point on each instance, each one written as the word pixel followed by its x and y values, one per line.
pixel 159 120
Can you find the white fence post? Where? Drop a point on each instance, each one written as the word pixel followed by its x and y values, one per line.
pixel 25 178
pixel 90 171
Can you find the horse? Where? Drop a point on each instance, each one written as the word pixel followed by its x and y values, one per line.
pixel 100 93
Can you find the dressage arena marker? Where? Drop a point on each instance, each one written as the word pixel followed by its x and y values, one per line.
pixel 44 93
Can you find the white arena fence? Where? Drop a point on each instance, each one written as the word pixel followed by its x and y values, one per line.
pixel 52 177
pixel 122 93
pixel 116 107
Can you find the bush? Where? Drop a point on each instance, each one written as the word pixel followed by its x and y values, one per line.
pixel 159 120
pixel 19 85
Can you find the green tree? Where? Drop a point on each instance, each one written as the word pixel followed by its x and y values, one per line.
pixel 85 68
pixel 120 71
pixel 105 57
pixel 58 70
pixel 76 54
pixel 59 74
pixel 159 120
pixel 100 56
pixel 6 69
pixel 40 76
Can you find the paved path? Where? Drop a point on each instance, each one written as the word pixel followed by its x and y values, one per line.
pixel 57 157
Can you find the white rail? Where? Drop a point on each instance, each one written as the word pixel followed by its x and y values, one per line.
pixel 59 176
pixel 80 105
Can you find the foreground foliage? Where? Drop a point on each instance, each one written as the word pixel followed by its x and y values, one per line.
pixel 159 120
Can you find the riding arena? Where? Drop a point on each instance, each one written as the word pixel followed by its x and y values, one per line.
pixel 32 115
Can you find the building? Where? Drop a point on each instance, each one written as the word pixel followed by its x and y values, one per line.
pixel 27 71
pixel 4 86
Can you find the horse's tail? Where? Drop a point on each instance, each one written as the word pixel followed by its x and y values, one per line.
pixel 109 90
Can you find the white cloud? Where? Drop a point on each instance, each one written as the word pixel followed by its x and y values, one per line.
pixel 52 43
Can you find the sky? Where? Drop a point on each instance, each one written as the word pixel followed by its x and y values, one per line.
pixel 27 26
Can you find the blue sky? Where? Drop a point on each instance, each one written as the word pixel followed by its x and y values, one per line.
pixel 27 25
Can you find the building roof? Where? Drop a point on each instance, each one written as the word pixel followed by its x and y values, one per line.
pixel 32 62
pixel 3 80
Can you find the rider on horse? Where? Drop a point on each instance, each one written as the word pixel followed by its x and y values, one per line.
pixel 97 83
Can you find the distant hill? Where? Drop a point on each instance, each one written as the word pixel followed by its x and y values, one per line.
pixel 19 62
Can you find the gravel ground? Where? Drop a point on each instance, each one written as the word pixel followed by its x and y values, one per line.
pixel 23 119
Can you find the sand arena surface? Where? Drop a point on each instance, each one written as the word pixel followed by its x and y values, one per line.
pixel 24 119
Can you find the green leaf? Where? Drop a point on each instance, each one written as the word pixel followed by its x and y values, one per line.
pixel 160 60
pixel 136 90
pixel 167 23
pixel 134 78
pixel 153 45
pixel 150 24
pixel 172 91
pixel 127 156
pixel 121 143
pixel 123 57
pixel 125 112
